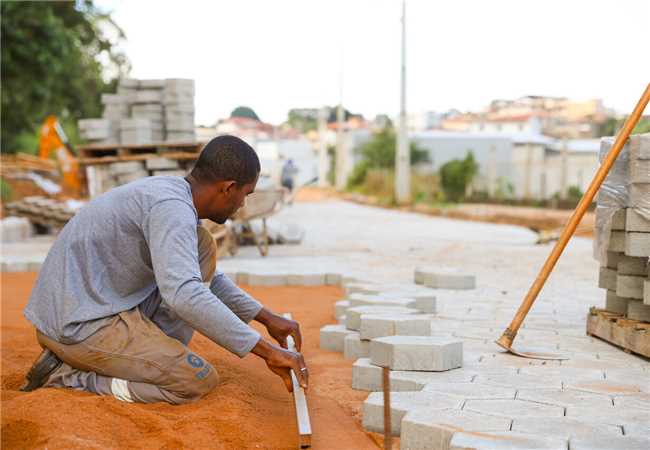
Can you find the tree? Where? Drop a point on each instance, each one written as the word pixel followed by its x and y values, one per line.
pixel 379 153
pixel 612 126
pixel 456 175
pixel 244 111
pixel 51 53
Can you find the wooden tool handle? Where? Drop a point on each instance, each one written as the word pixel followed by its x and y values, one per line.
pixel 510 333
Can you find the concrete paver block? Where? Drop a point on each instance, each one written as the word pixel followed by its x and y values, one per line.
pixel 614 415
pixel 354 347
pixel 161 164
pixel 521 381
pixel 444 278
pixel 640 401
pixel 378 300
pixel 612 259
pixel 635 430
pixel 640 171
pixel 424 353
pixel 513 408
pixel 636 222
pixel 563 373
pixel 616 304
pixel 639 146
pixel 423 429
pixel 340 307
pixel 637 310
pixel 353 320
pixel 306 279
pixel 637 244
pixel 368 377
pixel 563 427
pixel 631 265
pixel 629 286
pixel 508 440
pixel 607 278
pixel 332 337
pixel 471 390
pixel 374 326
pixel 616 242
pixel 267 279
pixel 606 387
pixel 333 279
pixel 426 304
pixel 564 398
pixel 609 443
pixel 618 220
pixel 400 404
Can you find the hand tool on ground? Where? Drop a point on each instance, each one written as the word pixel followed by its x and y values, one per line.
pixel 510 333
pixel 300 401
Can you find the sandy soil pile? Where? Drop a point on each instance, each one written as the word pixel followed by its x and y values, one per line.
pixel 250 409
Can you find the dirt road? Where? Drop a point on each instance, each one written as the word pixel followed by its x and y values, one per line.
pixel 250 408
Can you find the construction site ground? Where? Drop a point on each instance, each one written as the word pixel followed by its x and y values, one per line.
pixel 384 245
pixel 250 409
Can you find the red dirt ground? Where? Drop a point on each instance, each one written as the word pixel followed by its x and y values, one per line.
pixel 249 409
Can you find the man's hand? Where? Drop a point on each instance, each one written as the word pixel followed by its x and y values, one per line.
pixel 279 328
pixel 282 362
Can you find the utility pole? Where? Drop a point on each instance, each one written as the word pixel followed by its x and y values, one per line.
pixel 341 150
pixel 564 169
pixel 492 171
pixel 323 166
pixel 402 155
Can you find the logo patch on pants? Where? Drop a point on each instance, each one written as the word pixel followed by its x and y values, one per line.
pixel 194 361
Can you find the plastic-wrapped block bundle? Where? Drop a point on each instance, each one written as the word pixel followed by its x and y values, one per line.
pixel 612 196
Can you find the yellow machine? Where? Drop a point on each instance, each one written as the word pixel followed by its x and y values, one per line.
pixel 53 139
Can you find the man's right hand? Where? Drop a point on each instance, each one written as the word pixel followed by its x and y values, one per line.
pixel 282 362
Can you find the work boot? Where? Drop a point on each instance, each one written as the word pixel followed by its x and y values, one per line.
pixel 46 363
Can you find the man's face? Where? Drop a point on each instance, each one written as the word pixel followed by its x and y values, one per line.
pixel 229 197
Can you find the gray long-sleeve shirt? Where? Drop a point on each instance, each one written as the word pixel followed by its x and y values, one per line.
pixel 121 247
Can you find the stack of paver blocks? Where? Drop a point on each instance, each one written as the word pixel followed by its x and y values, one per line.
pixel 623 230
pixel 144 112
pixel 178 101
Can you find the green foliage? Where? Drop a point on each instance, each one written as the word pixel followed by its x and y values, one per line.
pixel 574 193
pixel 611 126
pixel 456 175
pixel 51 54
pixel 504 189
pixel 379 153
pixel 244 111
pixel 5 191
pixel 331 173
pixel 303 120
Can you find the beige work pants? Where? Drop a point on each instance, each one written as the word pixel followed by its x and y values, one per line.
pixel 142 355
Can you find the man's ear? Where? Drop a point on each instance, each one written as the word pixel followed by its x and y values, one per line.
pixel 229 186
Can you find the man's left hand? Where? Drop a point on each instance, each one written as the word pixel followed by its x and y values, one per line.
pixel 280 328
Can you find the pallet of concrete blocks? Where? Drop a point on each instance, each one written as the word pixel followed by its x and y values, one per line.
pixel 97 130
pixel 136 131
pixel 178 101
pixel 126 172
pixel 444 278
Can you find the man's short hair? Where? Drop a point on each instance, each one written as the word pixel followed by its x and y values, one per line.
pixel 227 158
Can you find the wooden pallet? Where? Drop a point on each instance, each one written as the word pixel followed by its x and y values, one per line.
pixel 98 160
pixel 631 335
pixel 95 151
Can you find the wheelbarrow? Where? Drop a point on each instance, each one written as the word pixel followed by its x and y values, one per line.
pixel 261 204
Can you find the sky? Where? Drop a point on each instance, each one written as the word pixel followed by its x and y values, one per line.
pixel 276 55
